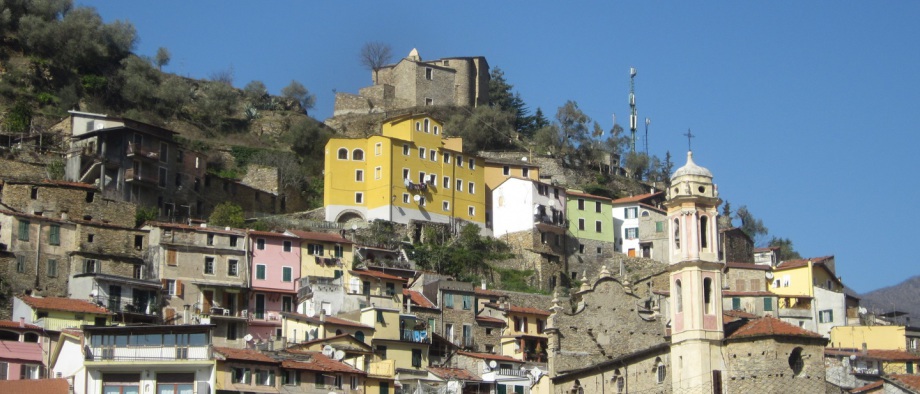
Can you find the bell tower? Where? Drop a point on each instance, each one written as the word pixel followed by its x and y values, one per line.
pixel 695 278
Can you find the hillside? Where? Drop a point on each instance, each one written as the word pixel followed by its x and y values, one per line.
pixel 901 297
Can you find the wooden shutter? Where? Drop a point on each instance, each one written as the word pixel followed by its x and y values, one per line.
pixel 171 257
pixel 170 315
pixel 179 288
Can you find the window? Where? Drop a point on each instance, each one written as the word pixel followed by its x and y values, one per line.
pixel 163 175
pixel 433 154
pixel 233 268
pixel 54 235
pixel 471 188
pixel 447 157
pixel 598 226
pixel 359 175
pixel 796 362
pixel 448 300
pixel 445 205
pixel 287 303
pixel 29 372
pixel 421 152
pixel 506 170
pixel 472 164
pixel 421 201
pixel 260 244
pixel 290 378
pixel 90 237
pixel 406 198
pixel 378 149
pixel 459 185
pixel 826 316
pixel 406 174
pixel 286 246
pixel 459 161
pixel 287 274
pixel 24 230
pixel 171 287
pixel 427 125
pixel 446 182
pixel 736 303
pixel 241 375
pixel 433 179
pixel 417 358
pixel 265 377
pixel 338 251
pixel 390 289
pixel 471 210
pixel 343 154
pixel 358 155
pixel 315 249
pixel 632 233
pixel 34 194
pixel 707 296
pixel 467 302
pixel 418 126
pixel 405 149
pixel 631 213
pixel 52 268
pixel 90 266
pixel 436 130
pixel 581 204
pixel 659 227
pixel 378 172
pixel 209 266
pixel 359 198
pixel 679 296
pixel 661 372
pixel 597 206
pixel 210 240
pixel 767 304
pixel 164 151
pixel 428 74
pixel 581 224
pixel 704 232
pixel 260 271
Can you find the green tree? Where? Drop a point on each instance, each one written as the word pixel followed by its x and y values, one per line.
pixel 299 93
pixel 139 82
pixel 227 214
pixel 786 250
pixel 502 96
pixel 484 128
pixel 162 58
pixel 307 139
pixel 751 225
pixel 144 215
pixel 19 119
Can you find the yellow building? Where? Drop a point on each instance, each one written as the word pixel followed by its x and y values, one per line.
pixel 298 328
pixel 410 172
pixel 56 313
pixel 523 338
pixel 810 294
pixel 873 337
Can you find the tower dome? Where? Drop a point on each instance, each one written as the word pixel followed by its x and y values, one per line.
pixel 691 169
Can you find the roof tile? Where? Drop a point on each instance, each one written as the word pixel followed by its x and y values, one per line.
pixel 35 386
pixel 319 362
pixel 454 373
pixel 244 355
pixel 418 299
pixel 770 326
pixel 63 304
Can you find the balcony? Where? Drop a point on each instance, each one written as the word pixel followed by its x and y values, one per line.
pixel 127 305
pixel 141 177
pixel 866 371
pixel 148 353
pixel 415 336
pixel 512 372
pixel 382 369
pixel 226 313
pixel 137 151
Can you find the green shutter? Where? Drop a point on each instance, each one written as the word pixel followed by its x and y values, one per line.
pixel 54 235
pixel 736 303
pixel 767 304
pixel 260 272
pixel 286 274
pixel 910 367
pixel 24 230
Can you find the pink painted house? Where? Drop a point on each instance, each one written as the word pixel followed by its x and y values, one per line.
pixel 275 273
pixel 20 351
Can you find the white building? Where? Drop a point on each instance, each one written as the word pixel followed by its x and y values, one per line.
pixel 520 204
pixel 626 213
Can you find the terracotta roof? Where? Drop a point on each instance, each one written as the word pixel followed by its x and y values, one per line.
pixel 319 362
pixel 454 373
pixel 15 324
pixel 869 387
pixel 377 274
pixel 533 311
pixel 489 292
pixel 748 266
pixel 270 234
pixel 802 262
pixel 638 198
pixel 875 354
pixel 740 314
pixel 748 294
pixel 487 319
pixel 586 195
pixel 329 320
pixel 35 386
pixel 244 355
pixel 490 356
pixel 325 237
pixel 911 381
pixel 328 339
pixel 418 299
pixel 761 250
pixel 218 230
pixel 63 304
pixel 75 332
pixel 770 326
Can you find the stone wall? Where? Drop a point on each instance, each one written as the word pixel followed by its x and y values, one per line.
pixel 22 170
pixel 263 178
pixel 64 200
pixel 763 365
pixel 736 246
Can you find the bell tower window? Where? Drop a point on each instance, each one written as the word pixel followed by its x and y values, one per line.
pixel 704 232
pixel 707 295
pixel 677 233
pixel 679 296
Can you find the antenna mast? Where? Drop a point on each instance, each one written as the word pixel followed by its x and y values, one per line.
pixel 633 117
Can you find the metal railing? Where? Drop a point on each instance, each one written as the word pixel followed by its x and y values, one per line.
pixel 417 336
pixel 147 353
pixel 138 150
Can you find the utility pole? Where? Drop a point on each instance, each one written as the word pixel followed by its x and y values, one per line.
pixel 647 121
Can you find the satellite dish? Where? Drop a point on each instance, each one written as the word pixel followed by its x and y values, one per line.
pixel 247 338
pixel 536 372
pixel 338 355
pixel 311 312
pixel 769 275
pixel 551 203
pixel 524 158
pixel 328 351
pixel 354 227
pixel 493 364
pixel 417 198
pixel 94 293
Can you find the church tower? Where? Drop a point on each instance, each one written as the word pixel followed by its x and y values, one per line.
pixel 696 281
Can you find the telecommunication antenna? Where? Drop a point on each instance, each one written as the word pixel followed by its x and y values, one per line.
pixel 633 116
pixel 647 122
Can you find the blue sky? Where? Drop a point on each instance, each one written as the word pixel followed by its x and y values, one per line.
pixel 806 112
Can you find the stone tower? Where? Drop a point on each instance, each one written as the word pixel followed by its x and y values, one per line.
pixel 695 280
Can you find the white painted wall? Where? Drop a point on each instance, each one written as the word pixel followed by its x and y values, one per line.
pixel 824 300
pixel 70 365
pixel 621 223
pixel 512 206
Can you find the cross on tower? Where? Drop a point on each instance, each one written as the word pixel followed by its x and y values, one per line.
pixel 689 135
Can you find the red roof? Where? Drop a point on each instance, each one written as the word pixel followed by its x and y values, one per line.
pixel 35 386
pixel 638 198
pixel 532 311
pixel 489 292
pixel 911 381
pixel 803 262
pixel 377 274
pixel 487 319
pixel 747 294
pixel 586 195
pixel 490 356
pixel 875 354
pixel 270 234
pixel 770 326
pixel 63 304
pixel 319 362
pixel 329 320
pixel 244 355
pixel 748 266
pixel 219 230
pixel 869 387
pixel 454 373
pixel 15 324
pixel 418 299
pixel 325 237
pixel 736 314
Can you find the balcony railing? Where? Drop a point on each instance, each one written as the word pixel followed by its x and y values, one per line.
pixel 127 305
pixel 53 324
pixel 866 371
pixel 147 353
pixel 512 372
pixel 139 151
pixel 385 369
pixel 141 176
pixel 417 336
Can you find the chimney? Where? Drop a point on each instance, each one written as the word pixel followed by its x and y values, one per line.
pixel 322 315
pixel 22 321
pixel 483 284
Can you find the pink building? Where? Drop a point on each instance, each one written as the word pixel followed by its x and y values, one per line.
pixel 275 272
pixel 20 351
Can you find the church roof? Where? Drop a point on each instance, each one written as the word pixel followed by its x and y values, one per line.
pixel 691 169
pixel 769 326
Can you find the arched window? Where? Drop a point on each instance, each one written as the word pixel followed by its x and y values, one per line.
pixel 796 362
pixel 618 381
pixel 359 335
pixel 707 295
pixel 660 370
pixel 30 337
pixel 9 336
pixel 338 332
pixel 704 232
pixel 358 155
pixel 679 296
pixel 676 233
pixel 343 154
